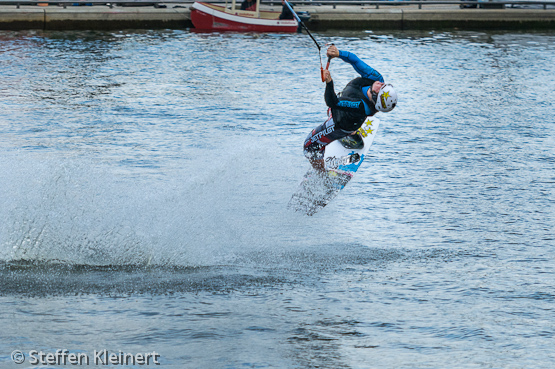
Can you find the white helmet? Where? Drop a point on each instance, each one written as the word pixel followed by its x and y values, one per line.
pixel 387 98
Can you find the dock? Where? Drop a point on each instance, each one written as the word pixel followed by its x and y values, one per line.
pixel 409 16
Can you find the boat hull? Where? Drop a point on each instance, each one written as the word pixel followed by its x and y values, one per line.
pixel 207 17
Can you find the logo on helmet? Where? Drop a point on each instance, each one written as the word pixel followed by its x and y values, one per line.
pixel 387 98
pixel 384 96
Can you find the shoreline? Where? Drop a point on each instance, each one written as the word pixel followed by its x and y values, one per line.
pixel 325 17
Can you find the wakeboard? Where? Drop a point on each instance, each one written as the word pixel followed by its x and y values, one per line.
pixel 342 160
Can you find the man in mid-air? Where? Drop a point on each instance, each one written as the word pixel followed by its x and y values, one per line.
pixel 362 97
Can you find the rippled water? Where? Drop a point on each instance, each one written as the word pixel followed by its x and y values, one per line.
pixel 145 177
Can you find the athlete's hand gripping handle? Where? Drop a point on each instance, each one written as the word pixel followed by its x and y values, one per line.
pixel 326 76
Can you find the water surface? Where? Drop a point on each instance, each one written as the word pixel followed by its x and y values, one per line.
pixel 145 177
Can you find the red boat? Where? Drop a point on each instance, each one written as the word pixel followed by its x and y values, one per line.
pixel 211 17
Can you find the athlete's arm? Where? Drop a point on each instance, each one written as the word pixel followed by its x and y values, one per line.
pixel 347 104
pixel 329 95
pixel 361 67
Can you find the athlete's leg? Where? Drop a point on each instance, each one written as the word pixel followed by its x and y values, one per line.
pixel 315 155
pixel 317 141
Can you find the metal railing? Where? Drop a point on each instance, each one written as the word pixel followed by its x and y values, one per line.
pixel 334 3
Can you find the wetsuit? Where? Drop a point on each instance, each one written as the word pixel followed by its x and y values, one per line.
pixel 348 111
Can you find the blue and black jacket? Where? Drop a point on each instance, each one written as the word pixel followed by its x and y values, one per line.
pixel 351 108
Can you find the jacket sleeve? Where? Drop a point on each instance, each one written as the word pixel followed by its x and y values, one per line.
pixel 361 67
pixel 330 96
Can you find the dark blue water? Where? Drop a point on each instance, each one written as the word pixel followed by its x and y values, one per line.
pixel 145 177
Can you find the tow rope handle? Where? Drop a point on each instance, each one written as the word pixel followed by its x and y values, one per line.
pixel 322 69
pixel 327 66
